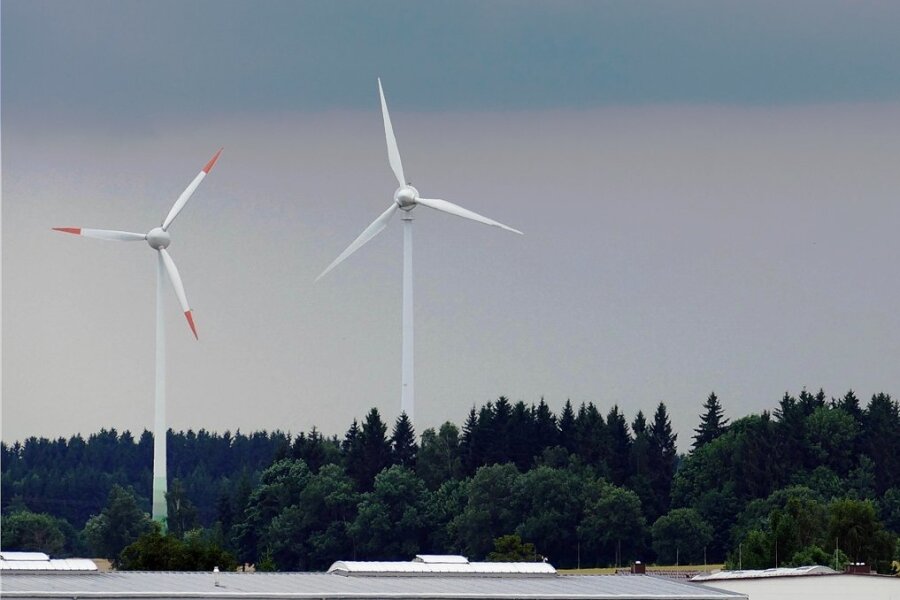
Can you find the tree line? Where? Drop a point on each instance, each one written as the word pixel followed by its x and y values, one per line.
pixel 816 481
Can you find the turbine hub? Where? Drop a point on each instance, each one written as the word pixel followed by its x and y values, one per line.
pixel 406 196
pixel 158 238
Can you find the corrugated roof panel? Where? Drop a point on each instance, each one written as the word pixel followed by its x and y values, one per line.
pixel 306 586
pixel 56 564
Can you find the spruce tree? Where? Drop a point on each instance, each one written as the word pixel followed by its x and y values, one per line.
pixel 403 442
pixel 639 461
pixel 522 442
pixel 469 450
pixel 712 423
pixel 375 447
pixel 546 432
pixel 567 430
pixel 619 446
pixel 661 460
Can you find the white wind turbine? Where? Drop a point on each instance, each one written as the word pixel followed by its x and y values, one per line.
pixel 406 198
pixel 159 240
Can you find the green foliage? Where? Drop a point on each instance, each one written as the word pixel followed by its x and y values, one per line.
pixel 890 509
pixel 266 563
pixel 573 484
pixel 182 512
pixel 680 537
pixel 510 548
pixel 157 552
pixel 815 555
pixel 438 459
pixel 391 522
pixel 549 502
pixel 831 436
pixel 27 531
pixel 279 488
pixel 120 524
pixel 484 518
pixel 613 530
pixel 855 526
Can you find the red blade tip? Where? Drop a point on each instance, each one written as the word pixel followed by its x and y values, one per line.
pixel 190 319
pixel 75 230
pixel 212 161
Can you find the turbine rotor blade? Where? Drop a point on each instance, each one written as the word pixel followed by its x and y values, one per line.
pixel 175 278
pixel 393 151
pixel 459 211
pixel 110 235
pixel 371 231
pixel 188 191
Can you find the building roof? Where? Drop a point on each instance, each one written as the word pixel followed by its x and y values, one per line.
pixel 287 586
pixel 435 567
pixel 441 558
pixel 765 573
pixel 38 561
pixel 833 587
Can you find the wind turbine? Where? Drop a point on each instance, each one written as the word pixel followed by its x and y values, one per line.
pixel 158 238
pixel 406 198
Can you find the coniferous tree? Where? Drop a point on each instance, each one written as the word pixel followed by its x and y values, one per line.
pixel 712 423
pixel 792 432
pixel 882 434
pixel 661 460
pixel 619 446
pixel 470 451
pixel 639 461
pixel 522 442
pixel 850 405
pixel 498 443
pixel 376 449
pixel 403 442
pixel 567 428
pixel 592 436
pixel 354 453
pixel 546 433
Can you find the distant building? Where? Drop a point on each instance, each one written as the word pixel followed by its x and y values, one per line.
pixel 803 582
pixel 427 577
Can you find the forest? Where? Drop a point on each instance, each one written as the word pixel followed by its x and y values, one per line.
pixel 817 481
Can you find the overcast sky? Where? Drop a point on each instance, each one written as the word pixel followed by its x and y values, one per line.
pixel 707 190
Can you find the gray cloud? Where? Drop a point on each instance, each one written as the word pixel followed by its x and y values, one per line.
pixel 155 61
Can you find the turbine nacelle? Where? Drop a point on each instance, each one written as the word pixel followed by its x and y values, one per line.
pixel 158 238
pixel 406 196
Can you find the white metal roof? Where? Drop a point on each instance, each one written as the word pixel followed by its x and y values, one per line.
pixel 398 568
pixel 441 559
pixel 760 573
pixel 122 585
pixel 4 555
pixel 833 587
pixel 38 561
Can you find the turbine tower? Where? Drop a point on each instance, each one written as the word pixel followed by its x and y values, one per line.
pixel 406 198
pixel 158 238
